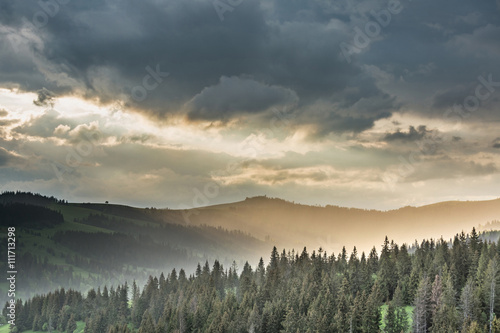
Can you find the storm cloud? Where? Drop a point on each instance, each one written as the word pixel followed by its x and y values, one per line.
pixel 171 85
pixel 233 95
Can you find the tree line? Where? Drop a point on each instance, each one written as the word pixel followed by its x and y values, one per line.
pixel 28 216
pixel 432 286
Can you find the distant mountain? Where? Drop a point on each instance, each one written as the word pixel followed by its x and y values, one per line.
pixel 287 224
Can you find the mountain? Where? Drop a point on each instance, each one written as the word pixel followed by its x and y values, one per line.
pixel 84 245
pixel 292 225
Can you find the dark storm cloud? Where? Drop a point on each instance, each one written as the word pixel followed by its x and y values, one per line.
pixel 234 95
pixel 451 97
pixel 185 38
pixel 413 134
pixel 105 49
pixel 350 112
pixel 337 123
pixel 440 33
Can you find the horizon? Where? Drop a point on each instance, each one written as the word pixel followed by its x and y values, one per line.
pixel 419 224
pixel 249 198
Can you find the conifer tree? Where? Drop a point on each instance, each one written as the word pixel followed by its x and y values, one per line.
pixel 71 326
pixel 421 312
pixel 372 316
pixel 147 323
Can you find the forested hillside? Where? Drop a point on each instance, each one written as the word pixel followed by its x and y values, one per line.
pixel 428 287
pixel 83 246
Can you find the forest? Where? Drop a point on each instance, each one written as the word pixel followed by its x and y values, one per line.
pixel 82 246
pixel 432 286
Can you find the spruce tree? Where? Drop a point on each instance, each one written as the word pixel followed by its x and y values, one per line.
pixel 71 326
pixel 147 323
pixel 421 312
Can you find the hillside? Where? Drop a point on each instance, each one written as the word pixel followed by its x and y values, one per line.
pixel 293 225
pixel 84 246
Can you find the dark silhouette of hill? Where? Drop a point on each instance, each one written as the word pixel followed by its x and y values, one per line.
pixel 79 246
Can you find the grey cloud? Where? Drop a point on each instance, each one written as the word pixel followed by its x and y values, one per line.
pixel 51 124
pixel 482 42
pixel 451 97
pixel 408 42
pixel 100 49
pixel 444 167
pixel 233 95
pixel 46 98
pixel 286 176
pixel 413 134
pixel 146 159
pixel 338 118
pixel 7 122
pixel 5 157
pixel 85 132
pixel 3 113
pixel 335 123
pixel 496 143
pixel 44 125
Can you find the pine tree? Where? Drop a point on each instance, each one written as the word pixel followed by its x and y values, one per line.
pixel 357 311
pixel 291 324
pixel 343 316
pixel 491 280
pixel 387 273
pixel 372 317
pixel 436 296
pixel 421 313
pixel 71 326
pixel 391 326
pixel 147 324
pixel 446 317
pixel 468 304
pixel 372 261
pixel 396 320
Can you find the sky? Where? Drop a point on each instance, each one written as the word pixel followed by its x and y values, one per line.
pixel 179 104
